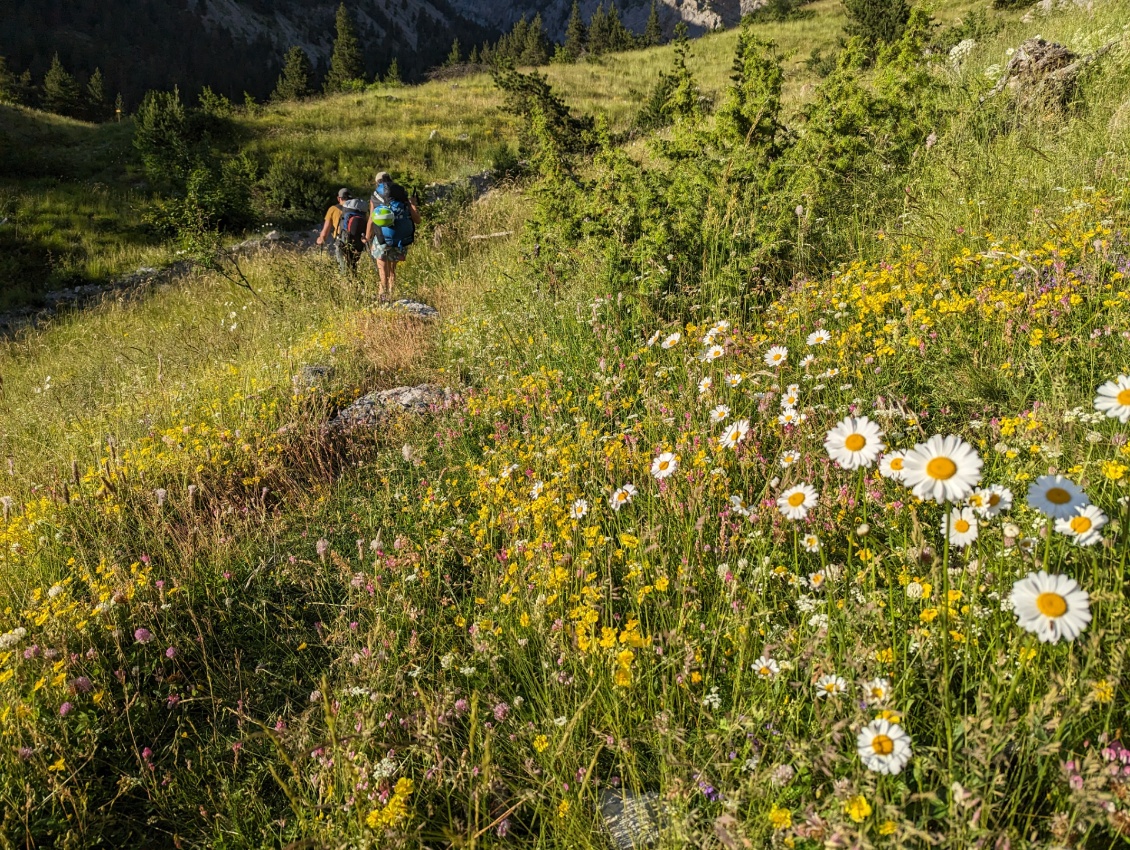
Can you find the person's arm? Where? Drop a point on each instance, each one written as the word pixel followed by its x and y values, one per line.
pixel 325 231
pixel 369 225
pixel 414 212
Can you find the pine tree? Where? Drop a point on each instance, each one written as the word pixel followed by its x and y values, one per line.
pixel 96 105
pixel 294 81
pixel 392 75
pixel 536 49
pixel 653 32
pixel 619 36
pixel 455 57
pixel 8 83
pixel 61 93
pixel 474 58
pixel 683 102
pixel 119 107
pixel 576 34
pixel 347 67
pixel 598 32
pixel 877 21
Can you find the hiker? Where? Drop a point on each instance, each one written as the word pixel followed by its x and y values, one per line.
pixel 393 217
pixel 346 221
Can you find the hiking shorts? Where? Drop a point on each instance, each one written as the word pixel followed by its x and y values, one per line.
pixel 388 252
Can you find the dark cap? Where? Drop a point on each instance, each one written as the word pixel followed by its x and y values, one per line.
pixel 344 193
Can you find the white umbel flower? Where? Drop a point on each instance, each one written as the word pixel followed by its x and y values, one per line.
pixel 891 465
pixel 945 469
pixel 796 502
pixel 1113 399
pixel 776 356
pixel 766 668
pixel 1084 527
pixel 855 442
pixel 664 465
pixel 1052 607
pixel 622 496
pixel 735 434
pixel 884 747
pixel 961 526
pixel 1056 496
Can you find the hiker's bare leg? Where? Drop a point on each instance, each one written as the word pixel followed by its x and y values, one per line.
pixel 391 278
pixel 388 277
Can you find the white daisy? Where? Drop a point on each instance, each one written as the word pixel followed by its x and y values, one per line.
pixel 765 667
pixel 790 399
pixel 830 685
pixel 579 509
pixel 1056 497
pixel 876 691
pixel 811 543
pixel 734 379
pixel 788 458
pixel 740 506
pixel 672 340
pixel 776 356
pixel 1052 607
pixel 705 384
pixel 791 416
pixel 622 496
pixel 735 434
pixel 884 747
pixel 817 580
pixel 991 501
pixel 819 337
pixel 807 361
pixel 891 465
pixel 664 465
pixel 796 502
pixel 1114 399
pixel 712 353
pixel 855 442
pixel 945 469
pixel 961 526
pixel 535 491
pixel 654 338
pixel 1084 526
pixel 719 413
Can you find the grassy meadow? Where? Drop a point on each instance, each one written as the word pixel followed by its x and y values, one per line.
pixel 645 549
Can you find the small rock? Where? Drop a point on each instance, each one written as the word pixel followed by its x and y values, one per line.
pixel 273 236
pixel 632 819
pixel 314 375
pixel 370 410
pixel 414 308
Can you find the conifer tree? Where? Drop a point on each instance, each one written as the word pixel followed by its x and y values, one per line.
pixel 598 32
pixel 96 105
pixel 392 75
pixel 8 84
pixel 61 92
pixel 346 64
pixel 619 36
pixel 474 58
pixel 877 21
pixel 653 32
pixel 535 51
pixel 294 81
pixel 455 56
pixel 683 101
pixel 576 34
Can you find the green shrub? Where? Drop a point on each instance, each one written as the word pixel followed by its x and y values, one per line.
pixel 295 186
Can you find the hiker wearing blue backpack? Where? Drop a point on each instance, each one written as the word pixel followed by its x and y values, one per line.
pixel 393 217
pixel 345 220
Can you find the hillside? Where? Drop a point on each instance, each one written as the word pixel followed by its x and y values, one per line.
pixel 771 484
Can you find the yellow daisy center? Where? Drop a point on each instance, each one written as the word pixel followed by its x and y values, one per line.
pixel 764 671
pixel 882 745
pixel 1081 524
pixel 855 442
pixel 961 526
pixel 1123 397
pixel 830 687
pixel 1051 604
pixel 663 465
pixel 994 499
pixel 796 500
pixel 941 469
pixel 896 464
pixel 876 693
pixel 1057 496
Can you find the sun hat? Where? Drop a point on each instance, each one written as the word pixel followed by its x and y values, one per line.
pixel 344 193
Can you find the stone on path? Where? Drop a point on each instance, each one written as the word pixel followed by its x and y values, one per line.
pixel 632 819
pixel 413 308
pixel 370 410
